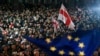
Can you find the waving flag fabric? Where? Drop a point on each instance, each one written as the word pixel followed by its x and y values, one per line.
pixel 55 24
pixel 80 43
pixel 64 16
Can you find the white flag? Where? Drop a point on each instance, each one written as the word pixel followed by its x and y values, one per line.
pixel 55 24
pixel 64 16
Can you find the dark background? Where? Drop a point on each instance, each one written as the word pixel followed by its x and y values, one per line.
pixel 68 3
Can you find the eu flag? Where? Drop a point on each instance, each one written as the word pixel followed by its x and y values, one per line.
pixel 79 43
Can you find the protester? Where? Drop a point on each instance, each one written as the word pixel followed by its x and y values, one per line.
pixel 37 23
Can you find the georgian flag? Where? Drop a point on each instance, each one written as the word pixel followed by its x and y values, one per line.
pixel 55 24
pixel 64 16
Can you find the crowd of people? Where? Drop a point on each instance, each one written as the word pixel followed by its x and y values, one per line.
pixel 97 52
pixel 37 23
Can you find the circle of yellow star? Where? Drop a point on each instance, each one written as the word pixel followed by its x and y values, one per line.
pixel 61 52
pixel 81 53
pixel 71 53
pixel 53 48
pixel 76 39
pixel 69 37
pixel 81 45
pixel 48 40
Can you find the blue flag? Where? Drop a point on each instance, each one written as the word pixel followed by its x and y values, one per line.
pixel 80 43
